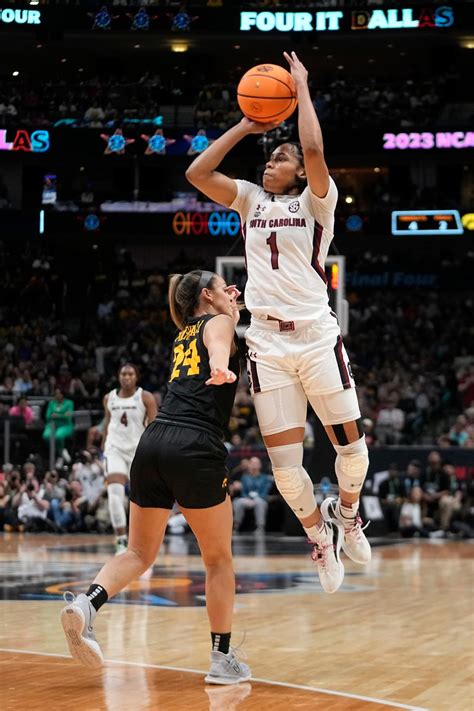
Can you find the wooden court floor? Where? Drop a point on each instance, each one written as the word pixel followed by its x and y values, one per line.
pixel 399 634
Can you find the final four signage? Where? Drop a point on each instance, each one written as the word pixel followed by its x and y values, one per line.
pixel 327 20
pixel 10 16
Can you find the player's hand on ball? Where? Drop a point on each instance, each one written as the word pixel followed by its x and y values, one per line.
pixel 297 68
pixel 255 127
pixel 221 376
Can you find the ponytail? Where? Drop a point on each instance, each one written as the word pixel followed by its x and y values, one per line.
pixel 184 291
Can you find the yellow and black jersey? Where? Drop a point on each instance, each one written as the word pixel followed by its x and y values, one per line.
pixel 189 400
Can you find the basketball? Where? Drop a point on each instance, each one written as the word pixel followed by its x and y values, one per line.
pixel 266 93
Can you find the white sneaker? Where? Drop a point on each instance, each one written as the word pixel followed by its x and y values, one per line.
pixel 326 555
pixel 227 669
pixel 120 546
pixel 77 619
pixel 355 544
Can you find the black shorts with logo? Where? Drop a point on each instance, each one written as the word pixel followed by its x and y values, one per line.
pixel 172 463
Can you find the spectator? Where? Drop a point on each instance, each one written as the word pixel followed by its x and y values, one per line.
pixel 254 492
pixel 60 412
pixel 390 422
pixel 458 434
pixel 392 493
pixel 369 431
pixel 450 504
pixel 12 491
pixel 89 472
pixel 413 474
pixel 436 484
pixel 23 383
pixel 33 509
pixel 411 518
pixel 466 386
pixel 22 409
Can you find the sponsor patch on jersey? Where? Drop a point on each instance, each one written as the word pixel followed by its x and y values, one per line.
pixel 294 206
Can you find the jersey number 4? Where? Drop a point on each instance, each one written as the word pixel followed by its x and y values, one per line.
pixel 183 358
pixel 272 241
pixel 124 420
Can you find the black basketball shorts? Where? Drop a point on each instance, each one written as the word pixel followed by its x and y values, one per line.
pixel 177 463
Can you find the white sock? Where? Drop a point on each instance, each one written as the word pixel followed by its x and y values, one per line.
pixel 317 532
pixel 348 513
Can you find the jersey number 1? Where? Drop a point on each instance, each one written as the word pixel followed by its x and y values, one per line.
pixel 272 241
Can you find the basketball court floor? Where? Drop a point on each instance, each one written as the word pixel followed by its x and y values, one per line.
pixel 398 634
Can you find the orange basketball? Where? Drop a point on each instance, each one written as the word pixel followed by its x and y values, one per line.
pixel 267 93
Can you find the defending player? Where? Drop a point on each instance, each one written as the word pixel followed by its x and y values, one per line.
pixel 181 457
pixel 295 348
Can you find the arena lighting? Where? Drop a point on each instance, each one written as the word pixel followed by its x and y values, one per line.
pixel 333 20
pixel 426 140
pixel 41 222
pixel 426 222
pixel 179 47
pixel 468 221
pixel 334 276
pixel 222 223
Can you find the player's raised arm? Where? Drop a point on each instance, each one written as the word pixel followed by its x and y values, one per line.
pixel 202 172
pixel 310 135
pixel 218 339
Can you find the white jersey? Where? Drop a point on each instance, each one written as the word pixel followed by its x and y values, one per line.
pixel 127 417
pixel 287 238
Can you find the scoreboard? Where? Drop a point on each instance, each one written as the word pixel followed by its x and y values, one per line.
pixel 426 222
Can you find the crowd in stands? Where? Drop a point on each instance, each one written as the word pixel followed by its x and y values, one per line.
pixel 98 101
pixel 426 500
pixel 359 102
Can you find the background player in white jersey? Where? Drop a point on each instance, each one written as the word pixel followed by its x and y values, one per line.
pixel 128 410
pixel 295 348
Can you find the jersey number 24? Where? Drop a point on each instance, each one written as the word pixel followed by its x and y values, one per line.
pixel 185 358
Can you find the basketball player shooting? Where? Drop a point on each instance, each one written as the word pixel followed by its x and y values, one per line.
pixel 295 348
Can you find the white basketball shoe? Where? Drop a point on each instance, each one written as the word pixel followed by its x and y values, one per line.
pixel 77 619
pixel 326 555
pixel 355 544
pixel 227 669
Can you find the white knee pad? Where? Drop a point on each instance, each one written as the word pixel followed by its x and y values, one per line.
pixel 116 496
pixel 291 479
pixel 352 462
pixel 297 489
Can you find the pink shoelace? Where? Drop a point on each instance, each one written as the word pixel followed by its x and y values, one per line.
pixel 319 554
pixel 356 526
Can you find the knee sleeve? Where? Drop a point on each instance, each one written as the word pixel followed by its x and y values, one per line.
pixel 116 496
pixel 352 462
pixel 291 479
pixel 297 489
